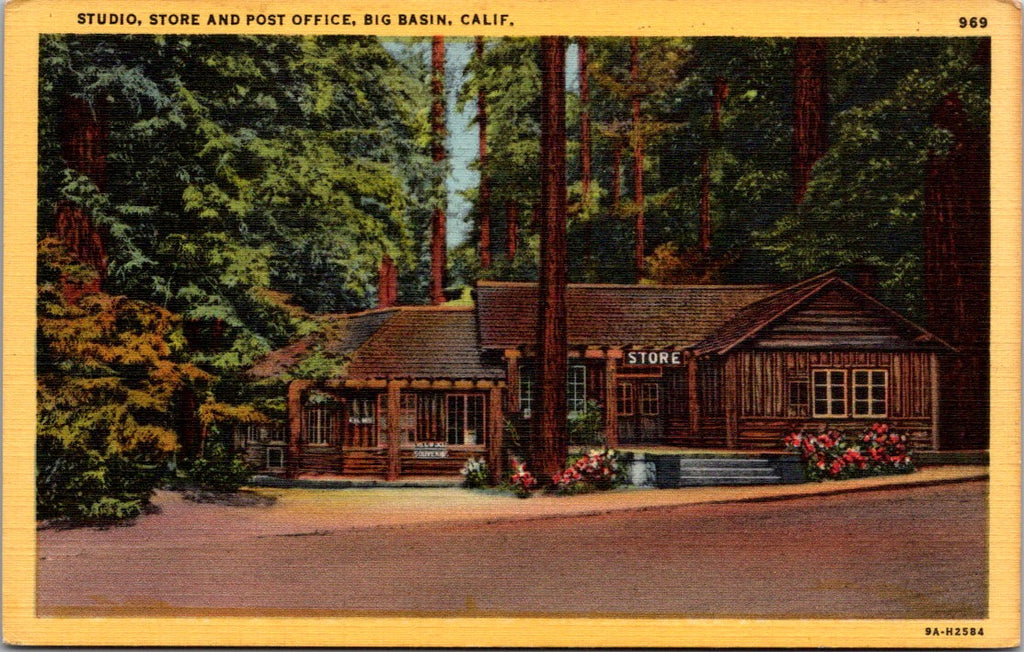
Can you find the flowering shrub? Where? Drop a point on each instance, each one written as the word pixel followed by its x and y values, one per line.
pixel 474 473
pixel 522 480
pixel 595 470
pixel 832 455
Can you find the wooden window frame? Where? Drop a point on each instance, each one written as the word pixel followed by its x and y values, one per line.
pixel 279 451
pixel 830 395
pixel 795 408
pixel 645 400
pixel 327 424
pixel 465 398
pixel 526 382
pixel 624 401
pixel 576 389
pixel 870 414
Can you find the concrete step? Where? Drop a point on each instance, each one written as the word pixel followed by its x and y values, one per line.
pixel 728 472
pixel 718 481
pixel 711 463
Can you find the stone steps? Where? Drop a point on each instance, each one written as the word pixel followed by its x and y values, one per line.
pixel 669 471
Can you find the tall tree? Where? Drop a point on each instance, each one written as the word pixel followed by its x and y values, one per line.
pixel 550 440
pixel 638 156
pixel 719 94
pixel 810 102
pixel 438 243
pixel 83 142
pixel 582 46
pixel 484 205
pixel 956 270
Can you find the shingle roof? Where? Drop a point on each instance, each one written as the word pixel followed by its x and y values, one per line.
pixel 338 337
pixel 615 315
pixel 425 343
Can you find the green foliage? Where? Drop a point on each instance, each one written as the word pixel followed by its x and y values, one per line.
pixel 586 426
pixel 474 473
pixel 218 469
pixel 76 482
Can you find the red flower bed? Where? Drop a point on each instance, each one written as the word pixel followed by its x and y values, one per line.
pixel 832 455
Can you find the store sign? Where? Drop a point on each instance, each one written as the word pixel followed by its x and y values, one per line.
pixel 654 358
pixel 430 450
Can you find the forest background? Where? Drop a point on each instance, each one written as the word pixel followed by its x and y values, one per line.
pixel 205 200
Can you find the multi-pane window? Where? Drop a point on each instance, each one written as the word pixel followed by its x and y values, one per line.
pixel 869 393
pixel 317 426
pixel 526 391
pixel 576 389
pixel 649 399
pixel 626 407
pixel 465 420
pixel 830 393
pixel 798 398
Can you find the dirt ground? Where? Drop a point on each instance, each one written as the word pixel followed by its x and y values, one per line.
pixel 907 553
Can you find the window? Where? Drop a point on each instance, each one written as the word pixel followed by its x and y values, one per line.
pixel 798 398
pixel 318 425
pixel 526 391
pixel 361 411
pixel 275 458
pixel 649 399
pixel 407 417
pixel 626 405
pixel 830 393
pixel 465 420
pixel 869 393
pixel 576 389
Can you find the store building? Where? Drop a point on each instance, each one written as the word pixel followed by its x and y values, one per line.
pixel 705 367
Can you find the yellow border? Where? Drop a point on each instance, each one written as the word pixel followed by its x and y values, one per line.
pixel 26 19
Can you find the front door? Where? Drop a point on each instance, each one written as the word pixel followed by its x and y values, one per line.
pixel 640 411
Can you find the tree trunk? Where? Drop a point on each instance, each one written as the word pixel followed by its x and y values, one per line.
pixel 810 101
pixel 957 238
pixel 550 442
pixel 638 156
pixel 484 206
pixel 616 173
pixel 438 244
pixel 511 229
pixel 84 133
pixel 720 92
pixel 585 171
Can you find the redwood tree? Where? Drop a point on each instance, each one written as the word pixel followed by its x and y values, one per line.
pixel 585 164
pixel 638 154
pixel 720 92
pixel 810 100
pixel 484 205
pixel 438 244
pixel 550 441
pixel 956 271
pixel 83 145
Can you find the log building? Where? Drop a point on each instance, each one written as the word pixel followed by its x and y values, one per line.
pixel 708 367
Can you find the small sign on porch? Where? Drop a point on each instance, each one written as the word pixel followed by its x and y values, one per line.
pixel 430 450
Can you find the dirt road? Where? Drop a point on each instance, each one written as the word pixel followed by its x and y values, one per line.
pixel 910 553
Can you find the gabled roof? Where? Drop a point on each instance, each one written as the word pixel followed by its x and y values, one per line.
pixel 436 342
pixel 615 315
pixel 759 316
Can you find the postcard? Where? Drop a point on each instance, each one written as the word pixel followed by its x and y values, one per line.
pixel 538 324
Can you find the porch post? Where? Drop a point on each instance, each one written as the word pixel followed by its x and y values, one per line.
pixel 496 436
pixel 611 398
pixel 394 406
pixel 731 399
pixel 933 360
pixel 295 389
pixel 691 391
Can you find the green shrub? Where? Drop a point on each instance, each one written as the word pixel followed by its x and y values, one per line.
pixel 586 426
pixel 218 469
pixel 73 481
pixel 474 473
